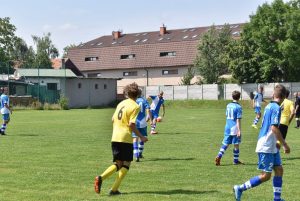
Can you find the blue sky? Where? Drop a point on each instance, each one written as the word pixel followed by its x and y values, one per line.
pixel 75 21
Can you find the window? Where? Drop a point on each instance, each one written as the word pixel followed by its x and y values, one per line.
pixel 130 73
pixel 170 72
pixel 144 40
pixel 185 37
pixel 194 36
pixel 167 54
pixel 127 56
pixel 96 86
pixel 52 86
pixel 136 41
pixel 79 85
pixel 91 58
pixel 160 39
pixel 100 43
pixel 113 42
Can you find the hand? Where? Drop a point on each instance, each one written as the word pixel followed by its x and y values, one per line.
pixel 144 139
pixel 278 145
pixel 286 149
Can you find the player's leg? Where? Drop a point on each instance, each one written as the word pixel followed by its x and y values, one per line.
pixel 236 150
pixel 141 145
pixel 153 125
pixel 257 117
pixel 111 169
pixel 265 163
pixel 225 144
pixel 297 120
pixel 126 158
pixel 135 147
pixel 5 118
pixel 277 179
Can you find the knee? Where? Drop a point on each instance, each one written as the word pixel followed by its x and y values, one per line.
pixel 265 177
pixel 278 171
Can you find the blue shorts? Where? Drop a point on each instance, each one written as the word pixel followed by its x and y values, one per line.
pixel 267 161
pixel 257 110
pixel 231 139
pixel 143 131
pixel 5 117
pixel 154 114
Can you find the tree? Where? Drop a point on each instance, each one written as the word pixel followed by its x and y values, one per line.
pixel 212 59
pixel 44 51
pixel 188 76
pixel 66 50
pixel 269 48
pixel 22 55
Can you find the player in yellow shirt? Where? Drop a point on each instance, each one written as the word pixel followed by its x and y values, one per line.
pixel 123 120
pixel 287 115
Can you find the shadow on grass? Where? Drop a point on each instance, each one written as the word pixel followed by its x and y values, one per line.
pixel 175 191
pixel 23 135
pixel 169 159
pixel 291 158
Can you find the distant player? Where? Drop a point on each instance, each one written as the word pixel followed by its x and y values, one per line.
pixel 257 101
pixel 5 110
pixel 268 155
pixel 232 132
pixel 157 102
pixel 287 115
pixel 123 120
pixel 297 109
pixel 141 124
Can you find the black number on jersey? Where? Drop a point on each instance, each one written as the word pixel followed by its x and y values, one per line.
pixel 120 113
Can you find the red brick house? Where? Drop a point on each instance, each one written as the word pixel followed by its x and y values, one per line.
pixel 148 58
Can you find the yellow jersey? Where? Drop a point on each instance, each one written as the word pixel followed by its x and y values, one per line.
pixel 126 113
pixel 286 106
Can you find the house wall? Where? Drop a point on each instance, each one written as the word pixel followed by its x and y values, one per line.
pixel 43 81
pixel 155 76
pixel 83 92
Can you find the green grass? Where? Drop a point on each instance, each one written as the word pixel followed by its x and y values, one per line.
pixel 55 155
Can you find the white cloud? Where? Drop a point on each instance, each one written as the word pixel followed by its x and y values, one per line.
pixel 47 27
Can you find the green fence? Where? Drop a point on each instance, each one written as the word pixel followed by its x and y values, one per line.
pixel 43 94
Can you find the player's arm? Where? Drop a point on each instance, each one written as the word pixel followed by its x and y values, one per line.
pixel 253 103
pixel 238 127
pixel 137 132
pixel 149 114
pixel 292 114
pixel 276 132
pixel 163 107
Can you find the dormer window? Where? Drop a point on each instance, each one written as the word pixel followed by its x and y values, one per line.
pixel 127 56
pixel 91 58
pixel 167 54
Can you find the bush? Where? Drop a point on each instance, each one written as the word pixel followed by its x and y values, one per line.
pixel 64 103
pixel 37 105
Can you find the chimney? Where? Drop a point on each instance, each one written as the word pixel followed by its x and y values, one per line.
pixel 163 30
pixel 116 34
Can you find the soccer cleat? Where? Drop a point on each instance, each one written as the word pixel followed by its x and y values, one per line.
pixel 137 160
pixel 238 163
pixel 254 126
pixel 114 192
pixel 97 184
pixel 237 193
pixel 218 161
pixel 154 132
pixel 141 156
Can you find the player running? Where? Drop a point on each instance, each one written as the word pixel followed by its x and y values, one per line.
pixel 268 155
pixel 232 132
pixel 157 102
pixel 123 120
pixel 257 101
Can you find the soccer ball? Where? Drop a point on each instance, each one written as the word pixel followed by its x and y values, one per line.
pixel 159 119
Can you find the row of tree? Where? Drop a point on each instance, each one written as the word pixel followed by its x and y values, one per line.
pixel 268 49
pixel 15 52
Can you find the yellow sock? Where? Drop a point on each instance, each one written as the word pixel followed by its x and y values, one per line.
pixel 108 172
pixel 122 173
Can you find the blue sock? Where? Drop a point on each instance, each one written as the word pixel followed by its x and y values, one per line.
pixel 141 148
pixel 277 186
pixel 255 121
pixel 222 150
pixel 236 154
pixel 3 127
pixel 254 181
pixel 136 149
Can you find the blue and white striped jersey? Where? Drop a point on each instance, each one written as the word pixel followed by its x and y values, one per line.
pixel 141 118
pixel 234 111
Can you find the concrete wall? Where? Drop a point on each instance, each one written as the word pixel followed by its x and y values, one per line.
pixel 214 91
pixel 83 92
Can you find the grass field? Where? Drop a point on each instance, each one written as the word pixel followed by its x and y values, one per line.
pixel 55 155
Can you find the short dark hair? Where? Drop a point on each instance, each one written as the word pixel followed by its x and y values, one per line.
pixel 287 93
pixel 280 91
pixel 236 95
pixel 131 90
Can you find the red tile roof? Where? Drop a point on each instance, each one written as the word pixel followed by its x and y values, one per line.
pixel 146 46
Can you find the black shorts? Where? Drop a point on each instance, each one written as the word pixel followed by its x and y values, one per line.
pixel 122 151
pixel 297 114
pixel 283 129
